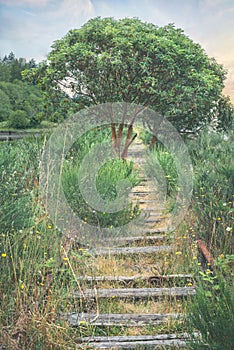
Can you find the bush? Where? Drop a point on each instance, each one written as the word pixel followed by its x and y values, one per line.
pixel 211 311
pixel 18 173
pixel 212 155
pixel 19 120
pixel 107 180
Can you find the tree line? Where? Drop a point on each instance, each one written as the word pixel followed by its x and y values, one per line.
pixel 20 101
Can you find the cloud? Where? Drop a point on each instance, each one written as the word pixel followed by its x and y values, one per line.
pixel 69 12
pixel 30 3
pixel 33 32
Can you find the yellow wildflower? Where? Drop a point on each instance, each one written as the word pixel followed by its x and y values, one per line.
pixel 82 322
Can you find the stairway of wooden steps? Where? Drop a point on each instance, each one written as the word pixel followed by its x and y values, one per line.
pixel 100 297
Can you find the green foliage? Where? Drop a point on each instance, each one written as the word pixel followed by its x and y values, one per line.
pixel 110 60
pixel 225 114
pixel 162 159
pixel 5 106
pixel 11 67
pixel 18 170
pixel 211 312
pixel 107 179
pixel 17 96
pixel 19 120
pixel 212 155
pixel 20 96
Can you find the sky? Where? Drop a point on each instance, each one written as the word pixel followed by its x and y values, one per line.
pixel 29 27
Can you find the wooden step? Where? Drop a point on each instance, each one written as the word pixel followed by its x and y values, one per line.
pixel 154 220
pixel 145 238
pixel 142 195
pixel 132 342
pixel 128 320
pixel 132 250
pixel 155 230
pixel 135 278
pixel 144 200
pixel 136 293
pixel 154 209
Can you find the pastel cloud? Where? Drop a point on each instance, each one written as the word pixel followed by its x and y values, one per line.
pixel 30 3
pixel 30 30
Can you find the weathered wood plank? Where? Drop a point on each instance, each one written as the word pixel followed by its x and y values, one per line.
pixel 142 195
pixel 155 230
pixel 154 220
pixel 130 342
pixel 143 200
pixel 141 191
pixel 135 239
pixel 140 293
pixel 153 344
pixel 156 215
pixel 154 209
pixel 133 250
pixel 134 278
pixel 129 320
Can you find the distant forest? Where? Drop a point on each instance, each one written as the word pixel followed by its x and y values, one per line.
pixel 22 104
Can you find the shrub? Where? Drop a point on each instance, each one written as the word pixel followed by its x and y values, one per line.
pixel 19 120
pixel 211 311
pixel 212 155
pixel 107 180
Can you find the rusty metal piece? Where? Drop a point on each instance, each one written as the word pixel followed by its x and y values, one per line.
pixel 205 253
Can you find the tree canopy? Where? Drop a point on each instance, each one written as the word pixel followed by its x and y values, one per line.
pixel 109 60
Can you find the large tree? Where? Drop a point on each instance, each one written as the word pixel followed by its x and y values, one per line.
pixel 110 60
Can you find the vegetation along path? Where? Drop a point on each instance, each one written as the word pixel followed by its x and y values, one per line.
pixel 133 296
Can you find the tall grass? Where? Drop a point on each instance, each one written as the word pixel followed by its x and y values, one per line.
pixel 31 275
pixel 36 271
pixel 213 196
pixel 107 179
pixel 211 312
pixel 212 155
pixel 19 169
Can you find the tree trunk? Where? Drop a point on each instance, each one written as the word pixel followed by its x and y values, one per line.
pixel 128 139
pixel 153 141
pixel 119 137
pixel 128 142
pixel 113 135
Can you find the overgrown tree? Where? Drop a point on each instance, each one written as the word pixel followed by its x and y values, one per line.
pixel 110 60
